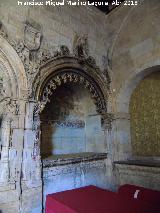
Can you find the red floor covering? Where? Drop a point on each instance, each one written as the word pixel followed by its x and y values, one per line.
pixel 92 199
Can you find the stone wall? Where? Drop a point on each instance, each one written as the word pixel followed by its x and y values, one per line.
pixel 138 175
pixel 134 53
pixel 70 123
pixel 60 178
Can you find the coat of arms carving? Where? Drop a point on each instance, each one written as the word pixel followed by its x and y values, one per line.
pixel 32 37
pixel 80 46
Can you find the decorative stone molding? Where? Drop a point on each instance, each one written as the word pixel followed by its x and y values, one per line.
pixel 74 78
pixel 13 107
pixel 49 172
pixel 107 120
pixel 38 108
pixel 34 58
pixel 43 56
pixel 106 69
pixel 3 94
pixel 73 124
pixel 12 73
pixel 32 37
pixel 9 107
pixel 73 159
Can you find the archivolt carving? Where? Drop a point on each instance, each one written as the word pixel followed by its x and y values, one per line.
pixel 2 30
pixel 74 78
pixel 34 60
pixel 12 73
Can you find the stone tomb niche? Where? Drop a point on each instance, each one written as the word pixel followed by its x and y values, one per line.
pixel 70 125
pixel 72 141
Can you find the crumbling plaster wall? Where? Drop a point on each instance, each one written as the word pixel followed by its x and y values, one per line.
pixel 133 42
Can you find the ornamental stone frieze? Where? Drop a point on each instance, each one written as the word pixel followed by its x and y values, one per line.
pixel 34 57
pixel 9 107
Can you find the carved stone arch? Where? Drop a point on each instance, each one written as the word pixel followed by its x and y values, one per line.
pixel 69 69
pixel 13 69
pixel 13 90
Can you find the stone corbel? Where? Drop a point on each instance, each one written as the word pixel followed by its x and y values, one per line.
pixel 38 108
pixel 107 120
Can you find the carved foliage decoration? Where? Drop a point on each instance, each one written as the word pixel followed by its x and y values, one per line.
pixel 34 57
pixel 32 37
pixel 71 77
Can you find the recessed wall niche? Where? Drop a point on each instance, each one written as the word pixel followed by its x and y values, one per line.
pixel 145 117
pixel 70 123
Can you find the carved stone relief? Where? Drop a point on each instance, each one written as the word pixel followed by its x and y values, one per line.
pixel 107 120
pixel 80 46
pixel 32 37
pixel 2 90
pixel 33 57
